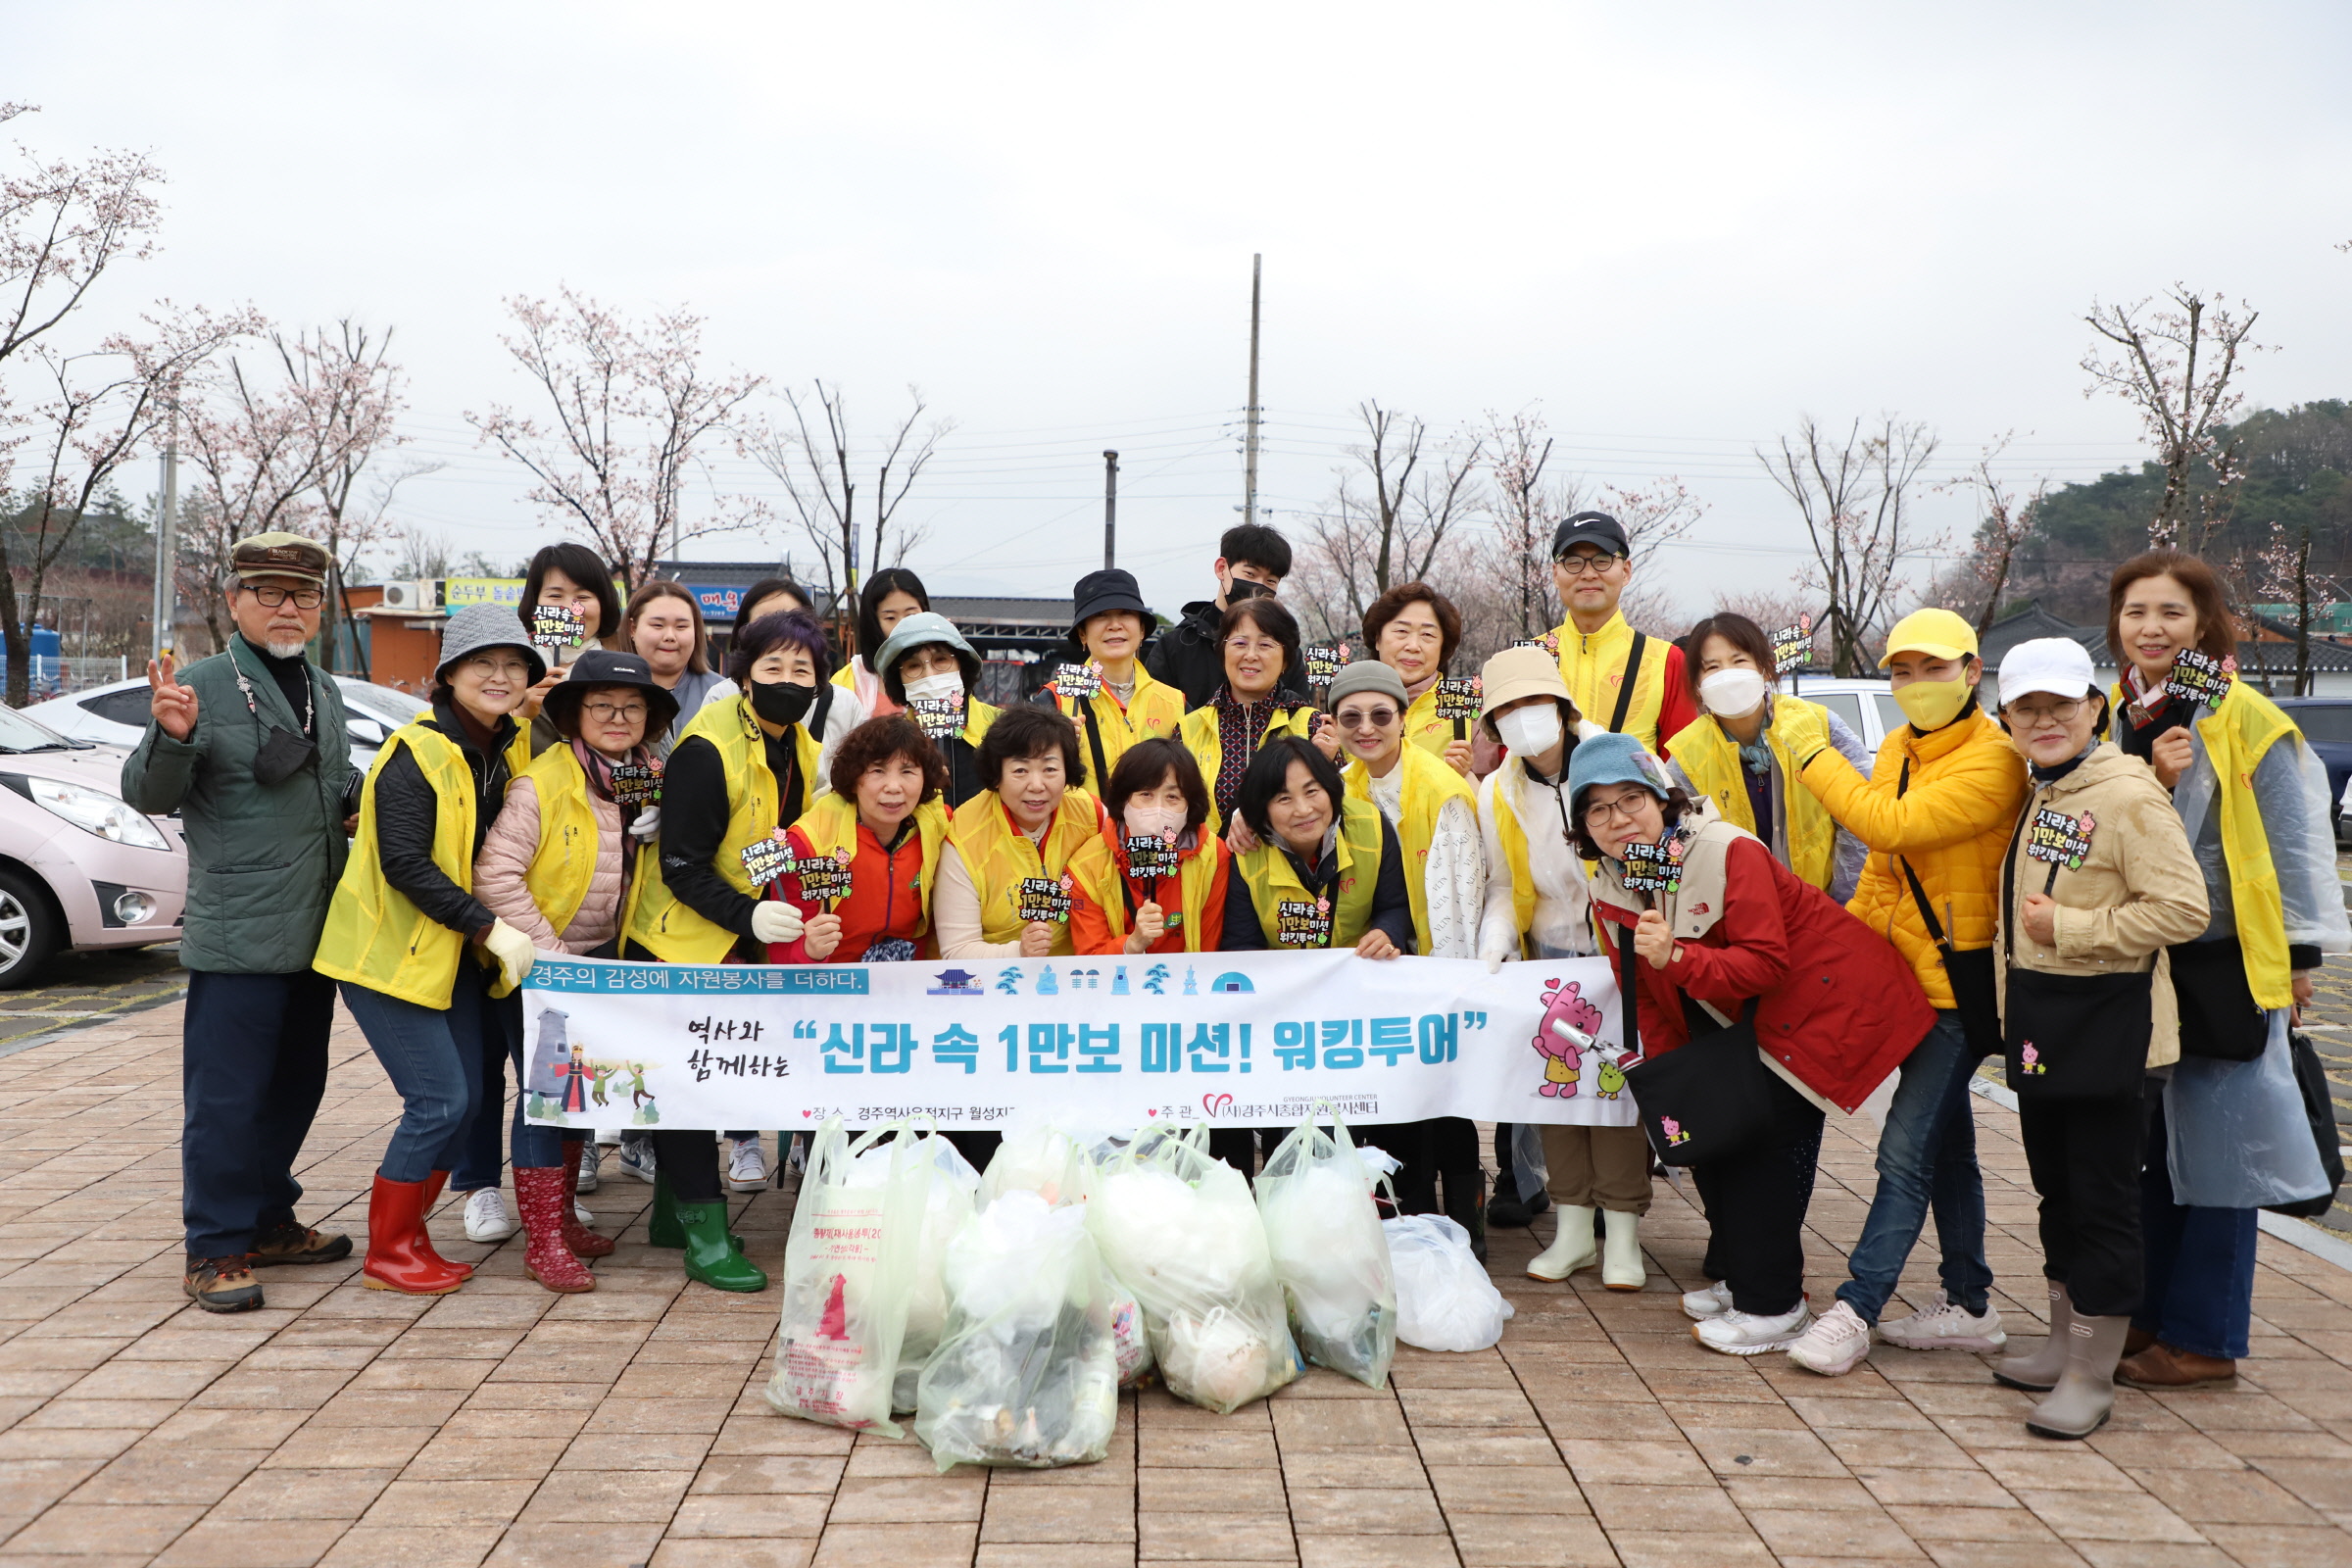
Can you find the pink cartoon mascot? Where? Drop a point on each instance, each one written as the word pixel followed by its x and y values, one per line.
pixel 1569 1027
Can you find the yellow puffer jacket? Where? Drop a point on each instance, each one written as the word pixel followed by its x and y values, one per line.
pixel 1951 822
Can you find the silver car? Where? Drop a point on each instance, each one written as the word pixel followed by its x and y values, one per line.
pixel 115 713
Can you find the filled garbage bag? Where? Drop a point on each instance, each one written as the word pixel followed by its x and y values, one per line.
pixel 1178 1228
pixel 1330 1253
pixel 1028 1372
pixel 947 1205
pixel 849 1274
pixel 1044 1158
pixel 1445 1300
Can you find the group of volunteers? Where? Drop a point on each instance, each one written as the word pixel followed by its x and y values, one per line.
pixel 2123 893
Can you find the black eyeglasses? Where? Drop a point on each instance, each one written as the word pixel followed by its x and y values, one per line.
pixel 274 596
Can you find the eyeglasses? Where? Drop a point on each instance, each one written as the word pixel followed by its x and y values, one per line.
pixel 1366 717
pixel 615 712
pixel 274 596
pixel 1252 645
pixel 1595 564
pixel 2055 713
pixel 489 669
pixel 1623 809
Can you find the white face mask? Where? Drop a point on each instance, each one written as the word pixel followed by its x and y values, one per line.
pixel 1154 822
pixel 1530 731
pixel 1732 692
pixel 947 687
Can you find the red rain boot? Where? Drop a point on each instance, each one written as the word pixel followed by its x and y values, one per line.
pixel 395 1261
pixel 583 1242
pixel 543 1196
pixel 424 1238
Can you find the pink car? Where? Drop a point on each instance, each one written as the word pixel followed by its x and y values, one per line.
pixel 78 868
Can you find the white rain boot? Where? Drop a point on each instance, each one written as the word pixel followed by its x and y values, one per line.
pixel 1621 1259
pixel 1570 1245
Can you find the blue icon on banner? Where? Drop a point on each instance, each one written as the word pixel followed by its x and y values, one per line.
pixel 1118 981
pixel 1046 985
pixel 955 983
pixel 1231 983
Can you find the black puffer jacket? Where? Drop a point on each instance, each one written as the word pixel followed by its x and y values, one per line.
pixel 407 816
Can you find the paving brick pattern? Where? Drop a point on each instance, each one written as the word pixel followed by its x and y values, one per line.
pixel 505 1425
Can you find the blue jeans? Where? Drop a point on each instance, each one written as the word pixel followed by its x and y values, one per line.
pixel 253 1068
pixel 2199 1262
pixel 1927 1158
pixel 434 1059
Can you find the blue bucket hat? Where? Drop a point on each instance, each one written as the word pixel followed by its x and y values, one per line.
pixel 1613 759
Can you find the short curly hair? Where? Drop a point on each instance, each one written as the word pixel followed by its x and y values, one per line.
pixel 878 741
pixel 1023 731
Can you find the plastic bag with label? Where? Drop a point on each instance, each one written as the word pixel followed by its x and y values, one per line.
pixel 1445 1300
pixel 1330 1253
pixel 1028 1372
pixel 1179 1229
pixel 947 1205
pixel 2237 1134
pixel 849 1274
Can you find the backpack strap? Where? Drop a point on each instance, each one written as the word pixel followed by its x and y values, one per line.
pixel 1625 686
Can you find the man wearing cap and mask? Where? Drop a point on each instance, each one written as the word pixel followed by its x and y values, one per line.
pixel 1619 678
pixel 1936 814
pixel 249 747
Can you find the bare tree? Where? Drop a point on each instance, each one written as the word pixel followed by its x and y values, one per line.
pixel 1972 586
pixel 1855 493
pixel 350 389
pixel 2184 405
pixel 1394 509
pixel 816 461
pixel 632 406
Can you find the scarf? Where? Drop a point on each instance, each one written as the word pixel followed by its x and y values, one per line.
pixel 1240 727
pixel 599 770
pixel 1414 689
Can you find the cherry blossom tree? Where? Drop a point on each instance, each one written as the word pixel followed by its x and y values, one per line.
pixel 2177 365
pixel 350 390
pixel 2005 526
pixel 632 407
pixel 1854 490
pixel 2282 571
pixel 1403 494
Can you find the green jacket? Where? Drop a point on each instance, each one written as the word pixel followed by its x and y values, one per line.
pixel 263 860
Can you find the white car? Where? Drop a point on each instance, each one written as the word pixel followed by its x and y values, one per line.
pixel 116 715
pixel 1868 706
pixel 78 868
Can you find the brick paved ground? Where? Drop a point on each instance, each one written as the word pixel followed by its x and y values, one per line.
pixel 347 1426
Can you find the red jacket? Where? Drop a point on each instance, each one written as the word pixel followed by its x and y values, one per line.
pixel 1836 1004
pixel 885 899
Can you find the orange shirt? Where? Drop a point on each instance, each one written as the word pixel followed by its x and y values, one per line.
pixel 1090 928
pixel 887 898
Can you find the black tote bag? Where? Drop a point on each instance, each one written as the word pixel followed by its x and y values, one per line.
pixel 2070 1036
pixel 1709 1100
pixel 2218 1015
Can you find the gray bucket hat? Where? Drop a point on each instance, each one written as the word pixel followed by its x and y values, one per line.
pixel 479 626
pixel 921 630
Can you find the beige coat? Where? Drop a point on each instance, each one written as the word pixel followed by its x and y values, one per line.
pixel 507 852
pixel 2137 891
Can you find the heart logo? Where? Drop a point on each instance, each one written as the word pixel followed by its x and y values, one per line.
pixel 806 1114
pixel 1216 1105
pixel 1551 985
pixel 1150 1113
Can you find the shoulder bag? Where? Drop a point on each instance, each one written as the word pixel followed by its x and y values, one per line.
pixel 1709 1100
pixel 2070 1036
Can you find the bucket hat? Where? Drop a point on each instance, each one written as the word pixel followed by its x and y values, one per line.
pixel 920 630
pixel 601 666
pixel 479 626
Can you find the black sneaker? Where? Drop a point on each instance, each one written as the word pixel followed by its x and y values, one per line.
pixel 223 1284
pixel 295 1242
pixel 1507 1209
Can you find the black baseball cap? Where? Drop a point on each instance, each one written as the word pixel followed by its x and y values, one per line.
pixel 1591 528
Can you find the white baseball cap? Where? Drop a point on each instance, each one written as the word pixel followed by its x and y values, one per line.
pixel 2058 665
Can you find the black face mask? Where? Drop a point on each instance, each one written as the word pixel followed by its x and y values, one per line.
pixel 282 756
pixel 1240 588
pixel 780 701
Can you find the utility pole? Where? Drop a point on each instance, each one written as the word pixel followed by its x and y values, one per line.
pixel 1110 509
pixel 166 546
pixel 1250 469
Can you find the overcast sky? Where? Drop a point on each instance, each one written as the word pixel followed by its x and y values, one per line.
pixel 1676 229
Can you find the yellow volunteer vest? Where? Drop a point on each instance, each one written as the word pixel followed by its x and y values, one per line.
pixel 831 827
pixel 997 856
pixel 1425 729
pixel 1096 870
pixel 1154 711
pixel 1513 839
pixel 657 921
pixel 1428 785
pixel 374 936
pixel 564 863
pixel 1593 668
pixel 1710 759
pixel 2237 735
pixel 1204 737
pixel 519 750
pixel 1272 881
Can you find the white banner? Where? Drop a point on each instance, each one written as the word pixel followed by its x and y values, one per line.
pixel 1242 1039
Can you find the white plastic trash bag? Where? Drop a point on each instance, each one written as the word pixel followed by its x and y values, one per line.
pixel 1127 1337
pixel 1178 1228
pixel 1028 1372
pixel 1042 1159
pixel 1445 1300
pixel 947 1205
pixel 849 1273
pixel 1330 1255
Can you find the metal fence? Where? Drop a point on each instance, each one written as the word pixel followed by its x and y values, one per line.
pixel 53 676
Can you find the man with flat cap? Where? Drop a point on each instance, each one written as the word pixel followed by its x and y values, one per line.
pixel 249 747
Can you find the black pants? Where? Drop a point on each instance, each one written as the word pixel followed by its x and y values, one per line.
pixel 253 1068
pixel 977 1148
pixel 690 1161
pixel 1443 1148
pixel 1757 1205
pixel 1240 1147
pixel 2085 1156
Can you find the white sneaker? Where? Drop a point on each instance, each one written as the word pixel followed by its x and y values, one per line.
pixel 1947 1325
pixel 590 1153
pixel 747 1171
pixel 1713 1301
pixel 637 1159
pixel 1836 1344
pixel 486 1217
pixel 1737 1333
pixel 579 1211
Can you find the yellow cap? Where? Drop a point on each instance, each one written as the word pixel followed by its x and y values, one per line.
pixel 1938 632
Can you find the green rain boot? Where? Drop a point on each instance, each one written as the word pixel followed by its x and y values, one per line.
pixel 713 1257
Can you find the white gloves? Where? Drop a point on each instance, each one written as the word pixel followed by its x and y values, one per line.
pixel 647 824
pixel 774 921
pixel 512 950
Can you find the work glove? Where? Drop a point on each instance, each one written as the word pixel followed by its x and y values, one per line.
pixel 774 921
pixel 647 824
pixel 512 950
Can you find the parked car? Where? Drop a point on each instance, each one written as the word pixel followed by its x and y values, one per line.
pixel 78 868
pixel 2326 724
pixel 115 713
pixel 1867 706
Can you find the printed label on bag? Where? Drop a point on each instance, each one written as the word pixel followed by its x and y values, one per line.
pixel 2058 839
pixel 1792 646
pixel 939 718
pixel 1459 696
pixel 1655 868
pixel 1151 858
pixel 2029 1060
pixel 637 783
pixel 2199 678
pixel 1042 898
pixel 1674 1131
pixel 1078 680
pixel 558 626
pixel 1301 924
pixel 824 1364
